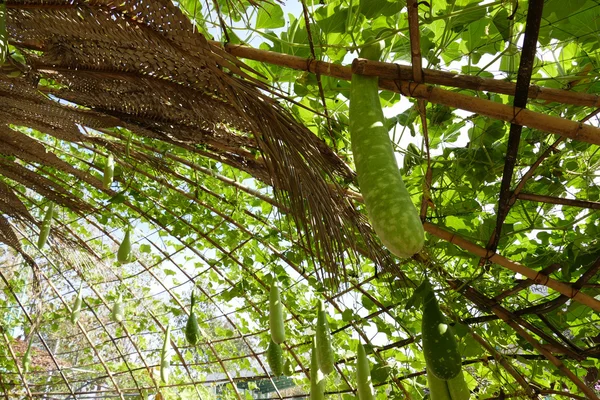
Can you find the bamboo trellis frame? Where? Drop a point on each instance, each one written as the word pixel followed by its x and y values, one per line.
pixel 424 92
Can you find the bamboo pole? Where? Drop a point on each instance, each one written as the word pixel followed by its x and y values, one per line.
pixel 514 115
pixel 594 205
pixel 391 71
pixel 539 278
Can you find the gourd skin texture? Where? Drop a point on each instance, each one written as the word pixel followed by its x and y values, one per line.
pixel 192 328
pixel 363 375
pixel 117 311
pixel 439 345
pixel 276 315
pixel 46 224
pixel 389 206
pixel 323 341
pixel 124 252
pixel 453 389
pixel 275 358
pixel 109 172
pixel 317 378
pixel 165 364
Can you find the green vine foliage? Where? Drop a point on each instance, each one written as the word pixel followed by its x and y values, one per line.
pixel 200 224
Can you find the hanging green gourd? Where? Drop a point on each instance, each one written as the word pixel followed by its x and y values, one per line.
pixel 165 364
pixel 317 378
pixel 275 358
pixel 363 375
pixel 118 310
pixel 323 341
pixel 76 310
pixel 439 345
pixel 27 356
pixel 124 252
pixel 451 389
pixel 276 320
pixel 391 211
pixel 109 172
pixel 192 329
pixel 46 225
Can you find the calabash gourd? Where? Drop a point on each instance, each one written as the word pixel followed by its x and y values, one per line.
pixel 118 310
pixel 276 315
pixel 363 375
pixel 76 310
pixel 192 328
pixel 46 225
pixel 391 211
pixel 452 389
pixel 323 341
pixel 275 358
pixel 317 378
pixel 109 172
pixel 439 345
pixel 165 363
pixel 124 252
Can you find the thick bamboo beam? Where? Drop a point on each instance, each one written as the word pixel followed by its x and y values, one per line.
pixel 513 115
pixel 539 278
pixel 391 71
pixel 594 205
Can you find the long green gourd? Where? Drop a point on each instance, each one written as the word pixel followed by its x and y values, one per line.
pixel 165 363
pixel 109 172
pixel 124 252
pixel 275 358
pixel 389 206
pixel 452 389
pixel 76 310
pixel 439 345
pixel 27 356
pixel 192 328
pixel 118 311
pixel 363 375
pixel 276 315
pixel 323 341
pixel 317 378
pixel 46 225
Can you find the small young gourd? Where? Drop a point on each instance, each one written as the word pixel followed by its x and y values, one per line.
pixel 363 375
pixel 124 252
pixel 27 356
pixel 275 358
pixel 109 172
pixel 192 328
pixel 323 341
pixel 118 311
pixel 276 315
pixel 76 310
pixel 165 363
pixel 46 225
pixel 391 211
pixel 439 345
pixel 317 378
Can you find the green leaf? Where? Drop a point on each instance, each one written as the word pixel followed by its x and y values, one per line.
pixel 270 16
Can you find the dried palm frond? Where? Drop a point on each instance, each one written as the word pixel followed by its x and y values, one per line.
pixel 140 64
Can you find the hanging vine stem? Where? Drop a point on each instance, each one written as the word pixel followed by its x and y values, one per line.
pixel 417 72
pixel 318 75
